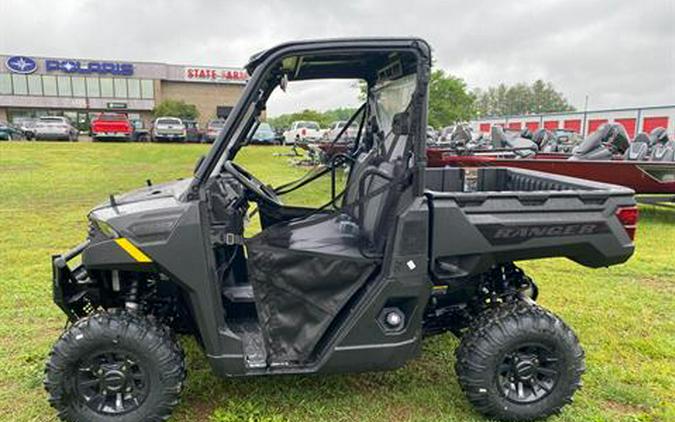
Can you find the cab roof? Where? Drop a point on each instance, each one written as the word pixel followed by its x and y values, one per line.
pixel 337 58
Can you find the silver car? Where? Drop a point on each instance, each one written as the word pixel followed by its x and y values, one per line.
pixel 55 127
pixel 168 129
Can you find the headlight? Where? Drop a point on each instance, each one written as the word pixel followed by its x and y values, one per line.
pixel 104 228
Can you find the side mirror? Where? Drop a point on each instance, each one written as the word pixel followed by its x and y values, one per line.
pixel 283 82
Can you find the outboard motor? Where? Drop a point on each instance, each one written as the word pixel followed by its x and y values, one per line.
pixel 639 148
pixel 663 148
pixel 461 135
pixel 659 135
pixel 521 147
pixel 545 140
pixel 609 139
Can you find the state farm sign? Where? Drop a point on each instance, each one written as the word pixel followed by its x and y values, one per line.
pixel 214 74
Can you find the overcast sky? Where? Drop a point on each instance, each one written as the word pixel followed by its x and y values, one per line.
pixel 619 53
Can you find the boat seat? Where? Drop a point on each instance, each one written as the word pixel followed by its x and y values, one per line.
pixel 639 148
pixel 663 151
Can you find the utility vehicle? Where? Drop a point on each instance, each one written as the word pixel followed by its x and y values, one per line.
pixel 398 253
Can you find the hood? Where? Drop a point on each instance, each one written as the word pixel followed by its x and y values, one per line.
pixel 158 197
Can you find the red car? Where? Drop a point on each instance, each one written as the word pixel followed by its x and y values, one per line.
pixel 111 126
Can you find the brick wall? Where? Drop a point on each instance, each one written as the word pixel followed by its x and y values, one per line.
pixel 205 96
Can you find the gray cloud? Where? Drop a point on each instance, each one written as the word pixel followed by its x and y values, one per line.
pixel 620 53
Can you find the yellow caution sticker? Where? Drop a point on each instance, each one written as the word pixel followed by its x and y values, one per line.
pixel 132 250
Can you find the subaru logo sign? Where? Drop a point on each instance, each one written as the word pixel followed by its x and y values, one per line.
pixel 21 64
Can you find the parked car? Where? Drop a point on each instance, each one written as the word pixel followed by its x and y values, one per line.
pixel 264 135
pixel 213 128
pixel 55 127
pixel 192 131
pixel 27 126
pixel 140 132
pixel 168 129
pixel 302 130
pixel 9 132
pixel 111 126
pixel 336 127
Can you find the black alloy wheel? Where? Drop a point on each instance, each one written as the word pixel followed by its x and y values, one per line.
pixel 519 362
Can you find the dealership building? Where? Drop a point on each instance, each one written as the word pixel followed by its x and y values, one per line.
pixel 77 88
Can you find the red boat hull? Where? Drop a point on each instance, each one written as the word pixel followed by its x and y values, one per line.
pixel 644 177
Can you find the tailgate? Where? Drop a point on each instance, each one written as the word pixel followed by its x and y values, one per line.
pixel 535 215
pixel 106 126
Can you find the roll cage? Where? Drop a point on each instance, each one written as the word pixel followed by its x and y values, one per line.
pixel 372 60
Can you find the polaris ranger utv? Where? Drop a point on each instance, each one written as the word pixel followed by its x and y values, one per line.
pixel 401 253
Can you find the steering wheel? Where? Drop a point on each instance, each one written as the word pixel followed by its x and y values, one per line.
pixel 258 188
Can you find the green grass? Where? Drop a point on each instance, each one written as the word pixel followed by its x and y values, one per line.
pixel 624 315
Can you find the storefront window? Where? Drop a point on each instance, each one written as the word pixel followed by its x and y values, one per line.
pixel 5 83
pixel 120 88
pixel 78 87
pixel 134 88
pixel 93 90
pixel 49 85
pixel 147 89
pixel 20 84
pixel 34 84
pixel 106 87
pixel 65 90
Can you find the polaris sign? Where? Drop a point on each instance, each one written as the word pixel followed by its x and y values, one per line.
pixel 76 66
pixel 21 64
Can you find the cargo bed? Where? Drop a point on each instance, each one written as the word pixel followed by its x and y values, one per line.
pixel 480 217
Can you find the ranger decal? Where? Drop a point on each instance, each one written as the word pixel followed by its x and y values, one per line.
pixel 502 234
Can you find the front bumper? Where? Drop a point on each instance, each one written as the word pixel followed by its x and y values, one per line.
pixel 67 293
pixel 112 135
pixel 52 135
pixel 169 137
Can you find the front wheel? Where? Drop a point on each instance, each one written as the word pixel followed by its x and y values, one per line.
pixel 519 362
pixel 115 366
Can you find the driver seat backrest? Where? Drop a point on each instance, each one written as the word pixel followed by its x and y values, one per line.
pixel 377 174
pixel 639 148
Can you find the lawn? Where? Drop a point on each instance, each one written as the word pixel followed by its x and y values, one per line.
pixel 624 315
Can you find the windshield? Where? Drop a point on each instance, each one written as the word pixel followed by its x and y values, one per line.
pixel 308 125
pixel 112 117
pixel 340 125
pixel 264 127
pixel 168 122
pixel 217 124
pixel 52 119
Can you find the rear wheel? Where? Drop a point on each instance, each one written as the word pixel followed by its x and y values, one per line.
pixel 115 366
pixel 519 362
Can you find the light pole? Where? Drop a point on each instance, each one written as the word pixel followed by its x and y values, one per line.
pixel 585 111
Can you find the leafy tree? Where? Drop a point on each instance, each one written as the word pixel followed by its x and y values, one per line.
pixel 176 108
pixel 539 97
pixel 324 119
pixel 449 100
